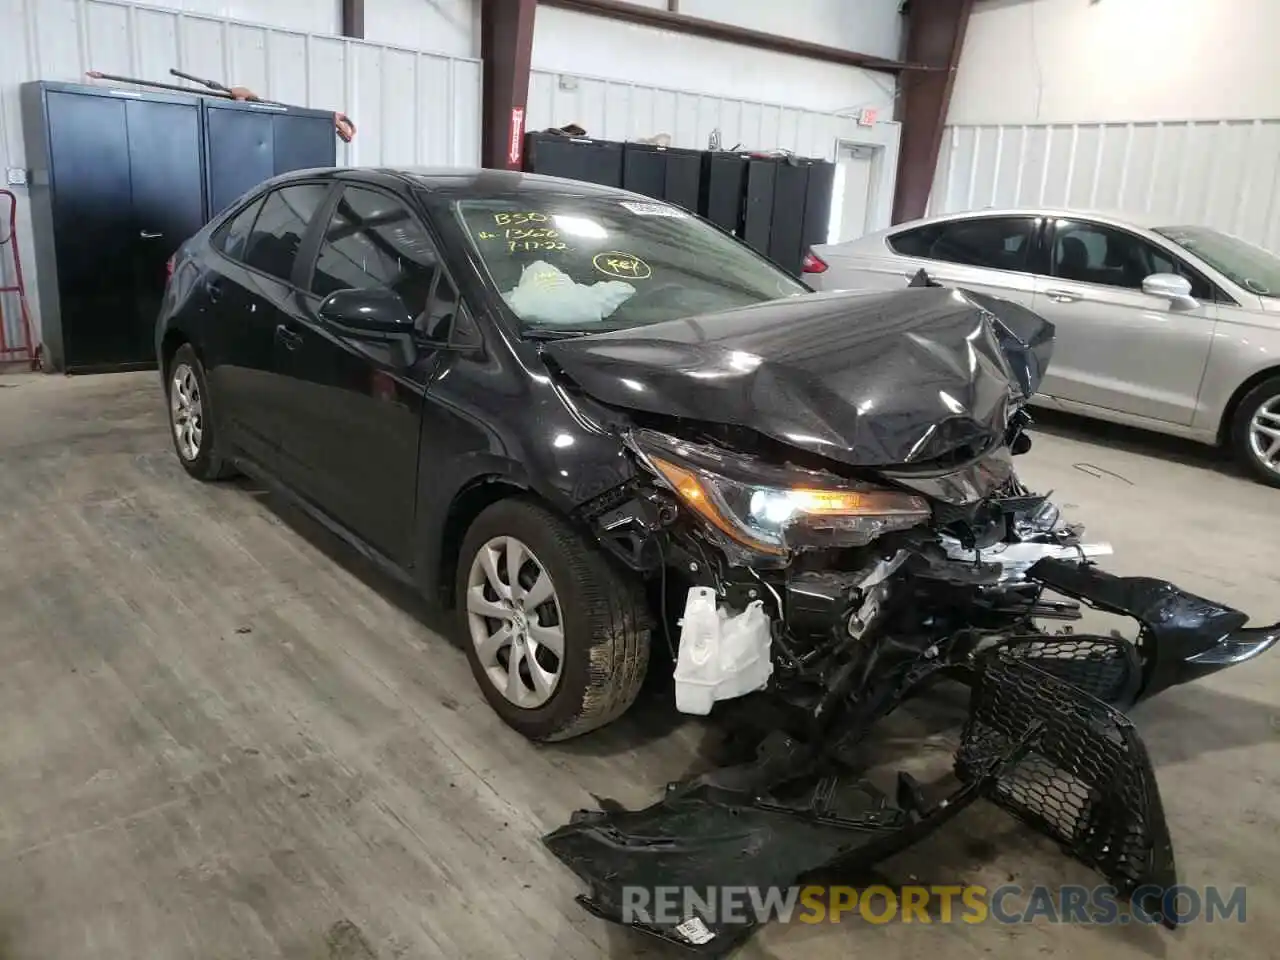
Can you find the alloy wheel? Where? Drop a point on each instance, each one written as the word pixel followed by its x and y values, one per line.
pixel 1264 434
pixel 186 412
pixel 516 622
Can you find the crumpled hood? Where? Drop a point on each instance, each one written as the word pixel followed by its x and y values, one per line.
pixel 884 379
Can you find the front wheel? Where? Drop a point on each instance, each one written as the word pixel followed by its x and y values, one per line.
pixel 1255 433
pixel 556 634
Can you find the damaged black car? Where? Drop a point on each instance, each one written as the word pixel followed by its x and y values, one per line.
pixel 595 425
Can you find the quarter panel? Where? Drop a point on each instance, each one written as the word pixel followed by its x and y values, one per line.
pixel 1243 346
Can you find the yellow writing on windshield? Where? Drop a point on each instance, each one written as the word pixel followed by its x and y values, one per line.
pixel 623 266
pixel 519 219
pixel 524 238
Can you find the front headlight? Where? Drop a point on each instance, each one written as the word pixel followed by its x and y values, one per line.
pixel 770 509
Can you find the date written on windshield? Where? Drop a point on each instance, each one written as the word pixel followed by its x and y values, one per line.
pixel 514 245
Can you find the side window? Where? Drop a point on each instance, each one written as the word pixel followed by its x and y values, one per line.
pixel 1001 243
pixel 374 240
pixel 1093 253
pixel 232 236
pixel 278 231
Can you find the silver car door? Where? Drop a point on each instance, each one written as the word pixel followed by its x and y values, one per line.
pixel 1117 347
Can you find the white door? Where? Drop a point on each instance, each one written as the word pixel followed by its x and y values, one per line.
pixel 852 192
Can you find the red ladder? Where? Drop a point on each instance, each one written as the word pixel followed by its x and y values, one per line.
pixel 24 349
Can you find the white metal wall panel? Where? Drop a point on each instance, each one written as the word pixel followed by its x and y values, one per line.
pixel 411 108
pixel 619 110
pixel 1223 174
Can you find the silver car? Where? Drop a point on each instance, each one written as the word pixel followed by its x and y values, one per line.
pixel 1171 328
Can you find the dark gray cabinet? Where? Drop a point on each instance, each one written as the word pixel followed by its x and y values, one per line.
pixel 249 143
pixel 118 180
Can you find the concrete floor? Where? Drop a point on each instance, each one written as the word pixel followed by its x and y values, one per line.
pixel 221 736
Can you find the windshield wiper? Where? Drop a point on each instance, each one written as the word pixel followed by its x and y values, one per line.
pixel 546 333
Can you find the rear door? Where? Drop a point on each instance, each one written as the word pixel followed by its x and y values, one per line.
pixel 1117 347
pixel 248 290
pixel 995 255
pixel 991 254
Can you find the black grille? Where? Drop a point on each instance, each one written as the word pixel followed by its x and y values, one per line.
pixel 1103 667
pixel 1085 781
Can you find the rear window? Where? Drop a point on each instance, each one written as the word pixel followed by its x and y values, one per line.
pixel 233 234
pixel 1000 243
pixel 594 263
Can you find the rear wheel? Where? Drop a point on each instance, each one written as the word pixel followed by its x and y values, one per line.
pixel 557 636
pixel 1255 433
pixel 191 422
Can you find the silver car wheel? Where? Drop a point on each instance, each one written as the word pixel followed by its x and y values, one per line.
pixel 516 622
pixel 186 413
pixel 1264 434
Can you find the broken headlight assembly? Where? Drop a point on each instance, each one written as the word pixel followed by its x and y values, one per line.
pixel 770 510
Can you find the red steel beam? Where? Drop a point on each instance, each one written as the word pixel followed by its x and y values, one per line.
pixel 506 45
pixel 353 19
pixel 671 19
pixel 935 36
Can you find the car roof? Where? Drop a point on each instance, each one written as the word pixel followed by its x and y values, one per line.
pixel 461 182
pixel 1124 218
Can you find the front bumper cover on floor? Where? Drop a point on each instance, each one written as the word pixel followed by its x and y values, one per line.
pixel 1040 747
pixel 1184 637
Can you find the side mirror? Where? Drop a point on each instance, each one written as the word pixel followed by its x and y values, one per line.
pixel 367 314
pixel 1171 287
pixel 372 316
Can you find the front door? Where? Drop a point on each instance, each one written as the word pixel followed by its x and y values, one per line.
pixel 351 426
pixel 1117 347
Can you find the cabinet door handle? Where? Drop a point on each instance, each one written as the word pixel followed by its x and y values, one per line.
pixel 148 235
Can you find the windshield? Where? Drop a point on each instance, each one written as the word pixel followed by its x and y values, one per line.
pixel 587 264
pixel 1253 268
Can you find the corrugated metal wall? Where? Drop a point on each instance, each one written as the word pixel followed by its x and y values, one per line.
pixel 410 107
pixel 1222 174
pixel 618 110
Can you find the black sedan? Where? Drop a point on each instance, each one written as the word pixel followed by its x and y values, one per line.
pixel 563 409
pixel 371 343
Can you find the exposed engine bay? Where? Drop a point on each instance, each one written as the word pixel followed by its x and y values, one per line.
pixel 827 559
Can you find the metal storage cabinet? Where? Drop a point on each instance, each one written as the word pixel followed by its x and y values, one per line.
pixel 757 210
pixel 575 158
pixel 119 180
pixel 247 143
pixel 817 203
pixel 723 189
pixel 117 183
pixel 664 173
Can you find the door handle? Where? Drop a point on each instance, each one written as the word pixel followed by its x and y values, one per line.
pixel 213 289
pixel 148 235
pixel 288 338
pixel 1063 296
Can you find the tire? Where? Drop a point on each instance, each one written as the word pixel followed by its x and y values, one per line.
pixel 1262 403
pixel 192 426
pixel 601 611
